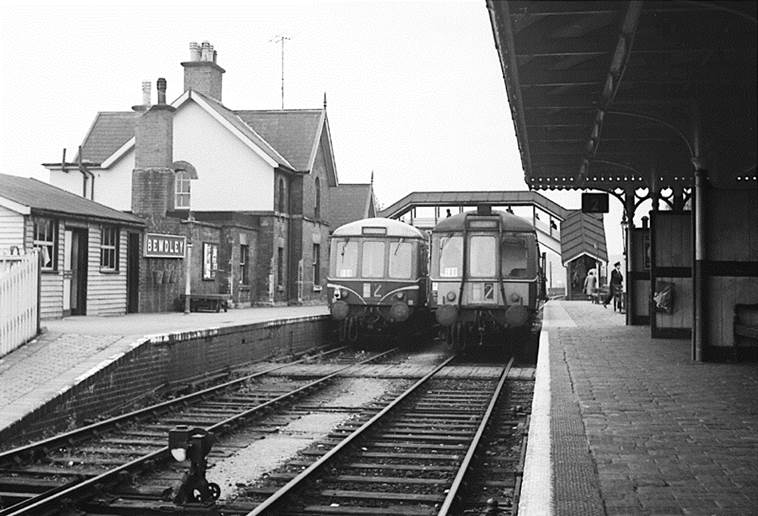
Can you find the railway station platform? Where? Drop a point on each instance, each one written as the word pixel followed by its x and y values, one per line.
pixel 626 424
pixel 70 350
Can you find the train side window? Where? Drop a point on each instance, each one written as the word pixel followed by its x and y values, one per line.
pixel 345 258
pixel 373 260
pixel 451 256
pixel 482 259
pixel 401 254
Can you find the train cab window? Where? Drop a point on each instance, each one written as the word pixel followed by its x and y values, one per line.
pixel 373 259
pixel 514 257
pixel 344 261
pixel 401 255
pixel 451 256
pixel 482 260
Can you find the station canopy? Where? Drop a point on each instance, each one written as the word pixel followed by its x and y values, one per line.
pixel 620 94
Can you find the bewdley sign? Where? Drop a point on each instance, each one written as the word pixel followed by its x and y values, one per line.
pixel 164 246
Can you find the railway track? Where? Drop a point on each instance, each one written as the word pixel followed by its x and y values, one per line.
pixel 47 476
pixel 411 458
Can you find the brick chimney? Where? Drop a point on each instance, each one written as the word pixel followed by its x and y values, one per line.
pixel 201 73
pixel 153 177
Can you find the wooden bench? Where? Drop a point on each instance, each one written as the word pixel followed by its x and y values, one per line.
pixel 746 323
pixel 207 302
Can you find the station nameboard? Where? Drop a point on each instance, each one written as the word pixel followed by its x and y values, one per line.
pixel 163 246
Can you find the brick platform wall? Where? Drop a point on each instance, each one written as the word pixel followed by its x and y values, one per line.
pixel 165 359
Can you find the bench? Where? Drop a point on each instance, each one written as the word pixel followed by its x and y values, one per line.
pixel 208 302
pixel 746 324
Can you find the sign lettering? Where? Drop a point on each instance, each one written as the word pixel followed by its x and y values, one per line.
pixel 163 246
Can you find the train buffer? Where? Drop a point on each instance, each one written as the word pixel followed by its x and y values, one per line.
pixel 207 302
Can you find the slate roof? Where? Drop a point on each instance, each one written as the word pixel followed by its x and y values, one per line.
pixel 583 233
pixel 246 129
pixel 350 202
pixel 292 132
pixel 44 198
pixel 109 131
pixel 286 136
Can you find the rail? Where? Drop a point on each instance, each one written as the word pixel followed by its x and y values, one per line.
pixel 44 500
pixel 280 498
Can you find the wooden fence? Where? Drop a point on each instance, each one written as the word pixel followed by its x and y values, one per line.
pixel 19 300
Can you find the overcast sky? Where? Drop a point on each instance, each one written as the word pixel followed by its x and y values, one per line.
pixel 414 89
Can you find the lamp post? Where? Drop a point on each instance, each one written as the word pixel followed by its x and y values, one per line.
pixel 188 264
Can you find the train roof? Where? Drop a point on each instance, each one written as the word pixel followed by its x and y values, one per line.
pixel 510 222
pixel 395 228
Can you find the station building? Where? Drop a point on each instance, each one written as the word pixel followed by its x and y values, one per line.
pixel 244 193
pixel 84 260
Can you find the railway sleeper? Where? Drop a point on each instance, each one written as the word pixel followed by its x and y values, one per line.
pixel 390 510
pixel 418 446
pixel 390 480
pixel 382 495
pixel 398 467
pixel 424 436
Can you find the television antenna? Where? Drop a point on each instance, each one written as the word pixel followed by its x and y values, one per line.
pixel 281 38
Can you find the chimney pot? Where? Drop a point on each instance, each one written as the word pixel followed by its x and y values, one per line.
pixel 194 51
pixel 145 93
pixel 206 51
pixel 161 86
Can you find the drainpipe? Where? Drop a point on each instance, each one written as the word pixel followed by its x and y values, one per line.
pixel 87 175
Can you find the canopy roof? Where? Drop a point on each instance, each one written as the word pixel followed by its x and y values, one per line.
pixel 610 94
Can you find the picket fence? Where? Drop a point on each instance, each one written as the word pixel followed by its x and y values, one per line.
pixel 19 300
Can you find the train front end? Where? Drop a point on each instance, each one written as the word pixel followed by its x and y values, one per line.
pixel 486 278
pixel 378 283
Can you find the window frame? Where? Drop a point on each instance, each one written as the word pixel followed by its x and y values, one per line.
pixel 317 203
pixel 280 268
pixel 376 272
pixel 109 249
pixel 182 178
pixel 244 264
pixel 408 260
pixel 38 243
pixel 316 266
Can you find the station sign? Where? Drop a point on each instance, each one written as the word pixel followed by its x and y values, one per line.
pixel 164 246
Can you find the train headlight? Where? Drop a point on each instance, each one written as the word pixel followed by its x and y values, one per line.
pixel 446 315
pixel 340 310
pixel 400 312
pixel 450 296
pixel 400 295
pixel 515 297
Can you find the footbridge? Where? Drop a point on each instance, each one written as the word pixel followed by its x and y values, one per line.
pixel 424 209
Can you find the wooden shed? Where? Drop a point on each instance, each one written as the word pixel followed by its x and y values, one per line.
pixel 85 255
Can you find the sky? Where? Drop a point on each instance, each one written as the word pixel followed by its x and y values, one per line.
pixel 414 89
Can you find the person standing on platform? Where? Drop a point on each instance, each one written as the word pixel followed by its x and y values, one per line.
pixel 616 280
pixel 590 284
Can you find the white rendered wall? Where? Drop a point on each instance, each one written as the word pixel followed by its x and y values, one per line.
pixel 231 176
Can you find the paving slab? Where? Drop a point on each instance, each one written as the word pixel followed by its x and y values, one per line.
pixel 636 427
